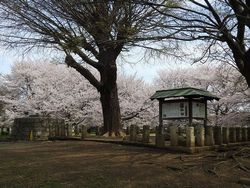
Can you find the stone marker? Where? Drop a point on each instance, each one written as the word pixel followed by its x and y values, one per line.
pixel 244 134
pixel 200 136
pixel 232 134
pixel 145 134
pixel 84 132
pixel 57 130
pixel 190 138
pixel 218 135
pixel 238 134
pixel 173 135
pixel 209 136
pixel 159 137
pixel 98 131
pixel 225 133
pixel 248 133
pixel 127 130
pixel 132 133
pixel 69 130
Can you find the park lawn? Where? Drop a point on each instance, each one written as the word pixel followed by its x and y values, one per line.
pixel 92 164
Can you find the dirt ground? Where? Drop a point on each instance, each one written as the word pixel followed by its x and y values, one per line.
pixel 92 164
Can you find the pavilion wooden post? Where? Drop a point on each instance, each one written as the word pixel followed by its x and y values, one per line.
pixel 190 112
pixel 205 119
pixel 160 113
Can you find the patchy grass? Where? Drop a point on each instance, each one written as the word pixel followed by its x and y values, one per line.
pixel 94 165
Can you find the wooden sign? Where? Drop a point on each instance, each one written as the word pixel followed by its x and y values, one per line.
pixel 172 110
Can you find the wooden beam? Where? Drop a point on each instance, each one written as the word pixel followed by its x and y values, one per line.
pixel 190 111
pixel 160 113
pixel 205 119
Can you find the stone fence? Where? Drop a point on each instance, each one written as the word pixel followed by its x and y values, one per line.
pixel 39 128
pixel 194 136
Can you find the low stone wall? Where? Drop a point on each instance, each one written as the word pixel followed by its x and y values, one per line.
pixel 37 128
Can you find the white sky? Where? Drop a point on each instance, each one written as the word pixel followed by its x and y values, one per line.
pixel 131 63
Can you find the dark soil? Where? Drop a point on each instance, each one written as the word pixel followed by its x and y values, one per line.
pixel 93 164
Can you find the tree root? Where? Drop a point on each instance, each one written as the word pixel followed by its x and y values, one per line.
pixel 118 134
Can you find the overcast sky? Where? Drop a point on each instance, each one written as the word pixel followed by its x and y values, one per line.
pixel 132 63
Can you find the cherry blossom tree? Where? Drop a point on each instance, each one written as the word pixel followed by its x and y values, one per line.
pixel 50 89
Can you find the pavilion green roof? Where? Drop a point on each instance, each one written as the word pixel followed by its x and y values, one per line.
pixel 188 92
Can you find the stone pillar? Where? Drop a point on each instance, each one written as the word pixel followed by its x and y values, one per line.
pixel 132 133
pixel 69 130
pixel 57 130
pixel 127 130
pixel 200 136
pixel 248 133
pixel 0 131
pixel 209 136
pixel 60 129
pixel 225 133
pixel 232 134
pixel 218 135
pixel 190 138
pixel 145 134
pixel 238 134
pixel 84 132
pixel 244 134
pixel 98 131
pixel 173 135
pixel 159 137
pixel 63 131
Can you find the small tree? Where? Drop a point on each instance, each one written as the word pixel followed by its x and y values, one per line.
pixel 89 32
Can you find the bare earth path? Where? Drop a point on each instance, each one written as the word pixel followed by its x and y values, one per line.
pixel 92 164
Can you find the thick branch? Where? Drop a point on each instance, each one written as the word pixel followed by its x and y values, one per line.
pixel 69 60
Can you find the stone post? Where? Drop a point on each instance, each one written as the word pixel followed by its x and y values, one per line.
pixel 218 135
pixel 209 136
pixel 132 133
pixel 84 132
pixel 173 135
pixel 238 134
pixel 244 134
pixel 0 131
pixel 200 136
pixel 159 137
pixel 127 130
pixel 145 134
pixel 248 133
pixel 98 131
pixel 57 130
pixel 69 130
pixel 225 132
pixel 190 138
pixel 232 134
pixel 63 131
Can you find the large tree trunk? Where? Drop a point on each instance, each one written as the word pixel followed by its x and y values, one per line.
pixel 109 94
pixel 111 111
pixel 246 73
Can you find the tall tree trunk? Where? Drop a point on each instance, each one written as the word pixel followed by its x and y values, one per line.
pixel 111 111
pixel 109 94
pixel 247 67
